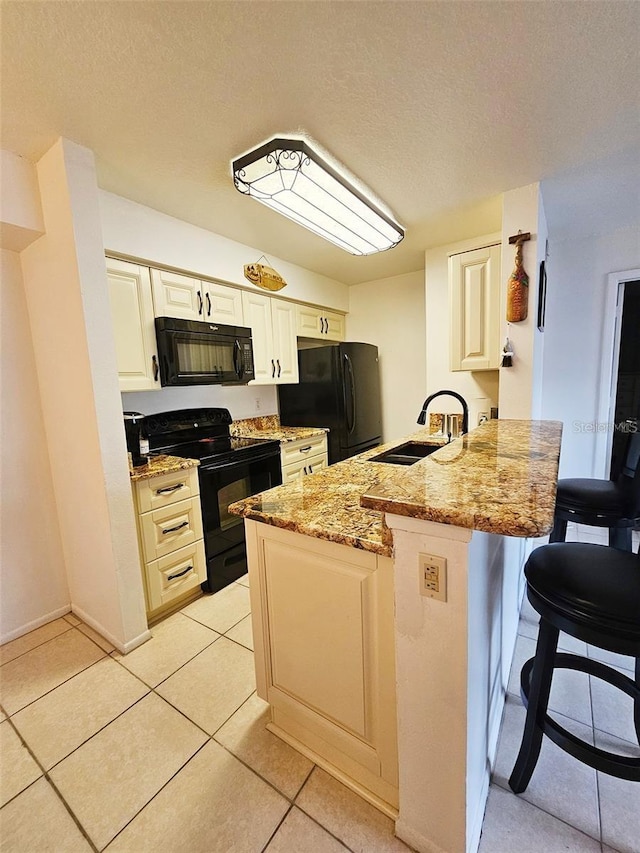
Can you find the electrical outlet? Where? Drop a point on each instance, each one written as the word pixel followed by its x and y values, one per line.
pixel 483 417
pixel 433 576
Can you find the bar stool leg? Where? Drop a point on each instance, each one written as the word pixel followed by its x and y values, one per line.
pixel 636 703
pixel 620 538
pixel 559 532
pixel 539 689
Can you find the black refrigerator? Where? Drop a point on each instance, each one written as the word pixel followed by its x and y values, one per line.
pixel 339 389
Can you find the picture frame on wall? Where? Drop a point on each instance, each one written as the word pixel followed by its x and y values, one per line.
pixel 542 295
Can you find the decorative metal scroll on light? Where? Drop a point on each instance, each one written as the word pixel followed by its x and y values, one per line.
pixel 264 276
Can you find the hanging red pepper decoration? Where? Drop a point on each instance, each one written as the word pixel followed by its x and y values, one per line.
pixel 518 284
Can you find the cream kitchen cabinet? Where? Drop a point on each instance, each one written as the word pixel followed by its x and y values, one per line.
pixel 334 699
pixel 303 457
pixel 133 325
pixel 474 288
pixel 273 330
pixel 177 295
pixel 170 537
pixel 319 323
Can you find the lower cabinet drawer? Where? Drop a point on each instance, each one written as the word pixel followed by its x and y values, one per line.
pixel 165 489
pixel 295 470
pixel 172 576
pixel 174 526
pixel 295 451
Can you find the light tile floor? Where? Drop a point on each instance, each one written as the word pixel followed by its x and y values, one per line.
pixel 166 749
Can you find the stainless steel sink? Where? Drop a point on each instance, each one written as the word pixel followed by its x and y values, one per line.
pixel 406 454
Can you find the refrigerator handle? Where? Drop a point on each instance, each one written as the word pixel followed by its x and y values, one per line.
pixel 351 415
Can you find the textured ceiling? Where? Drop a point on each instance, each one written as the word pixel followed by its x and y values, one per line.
pixel 437 107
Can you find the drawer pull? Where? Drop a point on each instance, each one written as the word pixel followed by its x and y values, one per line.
pixel 305 449
pixel 169 489
pixel 180 574
pixel 173 529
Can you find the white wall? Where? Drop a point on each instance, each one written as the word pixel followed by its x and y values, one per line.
pixel 577 273
pixel 143 233
pixel 20 212
pixel 521 384
pixel 32 573
pixel 65 283
pixel 242 401
pixel 478 386
pixel 390 314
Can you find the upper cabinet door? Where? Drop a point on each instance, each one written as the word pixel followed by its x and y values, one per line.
pixel 176 295
pixel 283 318
pixel 257 315
pixel 474 287
pixel 223 304
pixel 319 323
pixel 133 325
pixel 273 332
pixel 333 326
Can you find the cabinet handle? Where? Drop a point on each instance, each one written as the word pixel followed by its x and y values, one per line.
pixel 173 529
pixel 154 363
pixel 279 371
pixel 169 489
pixel 326 325
pixel 180 574
pixel 305 469
pixel 305 449
pixel 273 369
pixel 200 305
pixel 311 469
pixel 208 305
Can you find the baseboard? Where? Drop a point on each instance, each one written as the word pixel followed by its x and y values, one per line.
pixel 124 648
pixel 416 839
pixel 36 623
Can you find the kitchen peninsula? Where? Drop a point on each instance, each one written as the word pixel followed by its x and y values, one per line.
pixel 398 694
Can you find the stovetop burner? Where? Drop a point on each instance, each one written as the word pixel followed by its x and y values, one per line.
pixel 201 434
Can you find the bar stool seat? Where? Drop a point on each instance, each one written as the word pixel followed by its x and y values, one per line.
pixel 591 592
pixel 614 504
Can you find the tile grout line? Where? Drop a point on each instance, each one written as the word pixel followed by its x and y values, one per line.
pixel 66 680
pixel 508 790
pixel 45 775
pixel 38 645
pixel 152 798
pixel 593 738
pixel 311 817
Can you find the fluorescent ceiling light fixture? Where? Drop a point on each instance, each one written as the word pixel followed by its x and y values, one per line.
pixel 290 177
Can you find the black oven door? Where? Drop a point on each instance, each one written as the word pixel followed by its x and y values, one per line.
pixel 221 485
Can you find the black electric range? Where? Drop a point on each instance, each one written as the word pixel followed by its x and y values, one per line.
pixel 230 469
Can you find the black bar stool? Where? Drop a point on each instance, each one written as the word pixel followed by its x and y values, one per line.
pixel 591 592
pixel 603 503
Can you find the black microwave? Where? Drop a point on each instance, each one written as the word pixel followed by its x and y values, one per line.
pixel 196 353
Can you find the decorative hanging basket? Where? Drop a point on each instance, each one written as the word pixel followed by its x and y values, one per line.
pixel 264 276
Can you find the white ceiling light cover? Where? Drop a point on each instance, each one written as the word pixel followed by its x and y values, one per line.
pixel 290 177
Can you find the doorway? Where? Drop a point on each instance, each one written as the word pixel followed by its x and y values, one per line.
pixel 610 352
pixel 627 395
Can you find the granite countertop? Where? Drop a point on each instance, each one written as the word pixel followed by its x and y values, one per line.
pixel 161 465
pixel 501 478
pixel 269 427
